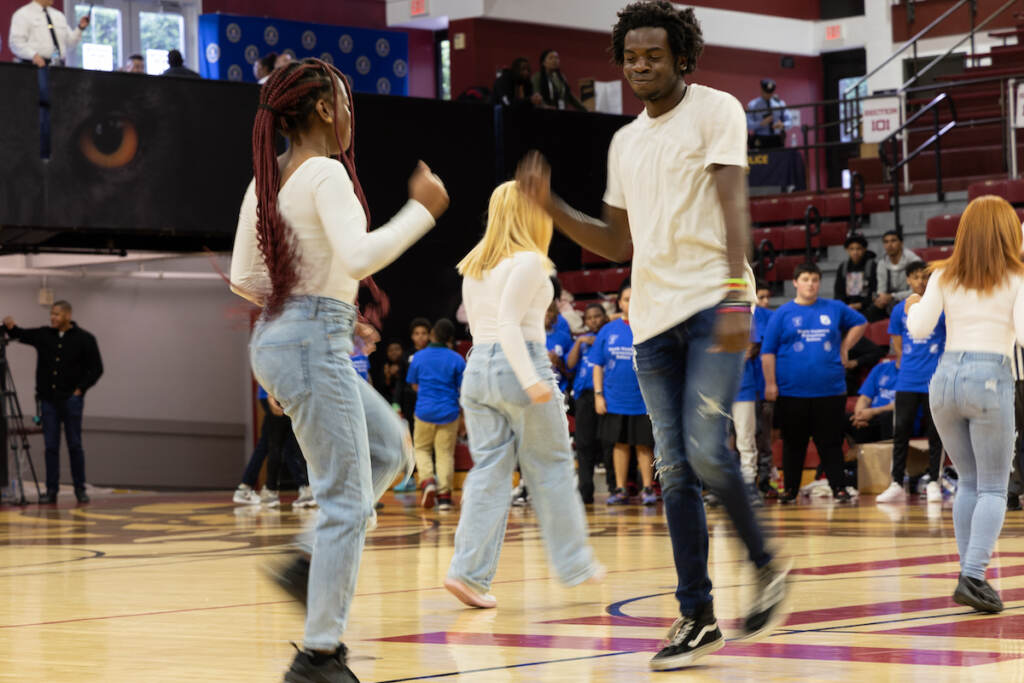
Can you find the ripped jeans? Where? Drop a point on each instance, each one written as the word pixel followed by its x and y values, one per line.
pixel 689 393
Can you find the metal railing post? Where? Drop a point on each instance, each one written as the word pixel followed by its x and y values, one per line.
pixel 1011 121
pixel 940 195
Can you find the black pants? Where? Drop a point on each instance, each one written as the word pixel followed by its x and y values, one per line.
pixel 1016 474
pixel 590 449
pixel 800 419
pixel 905 412
pixel 765 412
pixel 879 428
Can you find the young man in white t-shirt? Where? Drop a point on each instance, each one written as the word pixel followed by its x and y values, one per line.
pixel 677 185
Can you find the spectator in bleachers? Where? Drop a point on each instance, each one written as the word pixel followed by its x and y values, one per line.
pixel 40 34
pixel 550 84
pixel 559 341
pixel 767 118
pixel 590 449
pixel 871 419
pixel 390 375
pixel 283 60
pixel 857 277
pixel 744 406
pixel 617 397
pixel 176 66
pixel 136 64
pixel 892 276
pixel 263 67
pixel 513 86
pixel 917 360
pixel 436 374
pixel 803 353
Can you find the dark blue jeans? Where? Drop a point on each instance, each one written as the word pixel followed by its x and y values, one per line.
pixel 689 393
pixel 278 442
pixel 66 412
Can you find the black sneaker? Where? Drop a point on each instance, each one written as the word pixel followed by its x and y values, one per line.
pixel 689 639
pixel 768 612
pixel 841 496
pixel 315 667
pixel 48 498
pixel 789 496
pixel 1013 502
pixel 81 495
pixel 291 575
pixel 977 594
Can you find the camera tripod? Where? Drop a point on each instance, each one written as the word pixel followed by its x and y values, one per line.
pixel 13 434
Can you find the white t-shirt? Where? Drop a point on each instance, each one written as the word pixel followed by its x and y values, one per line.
pixel 335 251
pixel 30 33
pixel 507 306
pixel 658 171
pixel 988 323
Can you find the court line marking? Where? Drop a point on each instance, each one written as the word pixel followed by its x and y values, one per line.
pixel 507 666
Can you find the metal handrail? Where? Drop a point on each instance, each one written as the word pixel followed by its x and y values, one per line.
pixel 910 43
pixel 857 193
pixel 812 227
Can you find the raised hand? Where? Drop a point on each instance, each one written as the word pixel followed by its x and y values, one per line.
pixel 9 322
pixel 533 175
pixel 426 188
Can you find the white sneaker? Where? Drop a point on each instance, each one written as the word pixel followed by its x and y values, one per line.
pixel 893 494
pixel 270 498
pixel 244 495
pixel 305 499
pixel 934 492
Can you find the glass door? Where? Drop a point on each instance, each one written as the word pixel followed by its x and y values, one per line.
pixel 148 28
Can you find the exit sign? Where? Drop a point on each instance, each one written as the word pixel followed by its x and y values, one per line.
pixel 417 8
pixel 833 32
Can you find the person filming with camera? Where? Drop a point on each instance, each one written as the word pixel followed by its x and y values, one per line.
pixel 67 366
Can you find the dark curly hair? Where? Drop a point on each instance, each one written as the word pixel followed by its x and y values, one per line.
pixel 685 38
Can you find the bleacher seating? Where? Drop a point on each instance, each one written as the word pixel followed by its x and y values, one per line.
pixel 930 254
pixel 1011 190
pixel 795 238
pixel 462 347
pixel 942 228
pixel 878 332
pixel 591 281
pixel 783 267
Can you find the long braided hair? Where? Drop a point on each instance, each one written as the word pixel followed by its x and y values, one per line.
pixel 287 100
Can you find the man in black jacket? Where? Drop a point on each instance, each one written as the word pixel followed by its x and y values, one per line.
pixel 68 365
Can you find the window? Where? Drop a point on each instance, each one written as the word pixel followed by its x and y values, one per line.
pixel 101 45
pixel 444 83
pixel 150 28
pixel 159 33
pixel 849 112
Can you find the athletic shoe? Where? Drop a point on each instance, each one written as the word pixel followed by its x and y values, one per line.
pixel 81 496
pixel 407 486
pixel 520 496
pixel 841 496
pixel 711 500
pixel 977 594
pixel 305 499
pixel 316 667
pixel 893 494
pixel 618 497
pixel 768 612
pixel 934 492
pixel 754 496
pixel 429 494
pixel 1013 502
pixel 371 521
pixel 689 639
pixel 244 495
pixel 789 496
pixel 269 497
pixel 647 496
pixel 444 501
pixel 469 596
pixel 291 575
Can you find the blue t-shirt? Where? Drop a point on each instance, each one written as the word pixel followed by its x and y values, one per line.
pixel 560 342
pixel 880 386
pixel 806 342
pixel 752 381
pixel 584 379
pixel 362 365
pixel 262 393
pixel 438 372
pixel 613 350
pixel 920 356
pixel 562 325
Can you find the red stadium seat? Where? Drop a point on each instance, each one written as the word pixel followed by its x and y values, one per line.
pixel 784 266
pixel 876 201
pixel 837 205
pixel 581 304
pixel 774 210
pixel 878 332
pixel 589 258
pixel 996 187
pixel 929 254
pixel 463 346
pixel 942 228
pixel 831 234
pixel 1014 192
pixel 773 235
pixel 798 205
pixel 598 280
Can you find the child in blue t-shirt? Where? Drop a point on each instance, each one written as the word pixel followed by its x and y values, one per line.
pixel 803 354
pixel 617 397
pixel 745 406
pixel 917 360
pixel 360 359
pixel 436 374
pixel 871 419
pixel 590 449
pixel 558 342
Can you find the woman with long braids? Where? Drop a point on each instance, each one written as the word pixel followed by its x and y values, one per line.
pixel 301 249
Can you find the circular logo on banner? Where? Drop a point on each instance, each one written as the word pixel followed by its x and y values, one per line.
pixel 290 52
pixel 400 68
pixel 233 32
pixel 327 57
pixel 213 53
pixel 383 86
pixel 270 35
pixel 252 53
pixel 363 65
pixel 234 73
pixel 309 40
pixel 345 43
pixel 383 47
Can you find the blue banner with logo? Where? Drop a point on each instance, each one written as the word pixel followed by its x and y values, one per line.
pixel 375 61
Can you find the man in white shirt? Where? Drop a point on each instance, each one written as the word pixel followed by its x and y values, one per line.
pixel 677 187
pixel 40 34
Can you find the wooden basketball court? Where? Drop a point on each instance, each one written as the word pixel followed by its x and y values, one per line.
pixel 167 587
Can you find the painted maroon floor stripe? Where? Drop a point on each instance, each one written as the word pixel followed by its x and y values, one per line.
pixel 853 567
pixel 884 608
pixel 1009 627
pixel 875 655
pixel 993 573
pixel 641 622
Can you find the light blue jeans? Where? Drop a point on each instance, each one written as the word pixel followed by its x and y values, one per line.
pixel 505 429
pixel 971 397
pixel 301 357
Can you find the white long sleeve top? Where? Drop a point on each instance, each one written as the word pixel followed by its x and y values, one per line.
pixel 30 33
pixel 507 307
pixel 334 249
pixel 988 323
